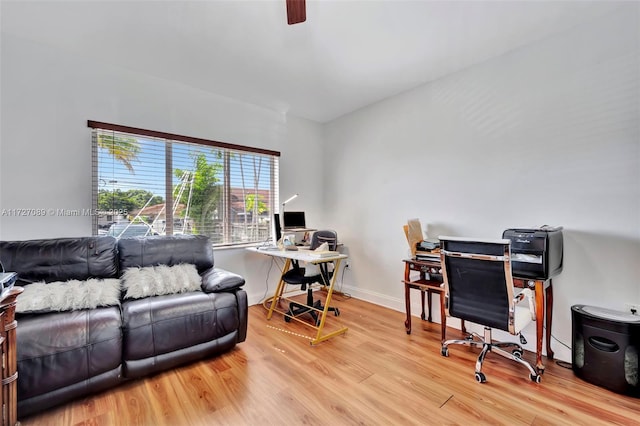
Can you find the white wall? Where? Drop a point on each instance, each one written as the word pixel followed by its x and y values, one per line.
pixel 45 145
pixel 548 134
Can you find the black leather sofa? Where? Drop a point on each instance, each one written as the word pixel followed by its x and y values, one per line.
pixel 66 355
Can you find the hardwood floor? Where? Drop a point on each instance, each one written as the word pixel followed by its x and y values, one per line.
pixel 375 374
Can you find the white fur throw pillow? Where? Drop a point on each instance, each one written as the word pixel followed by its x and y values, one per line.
pixel 159 280
pixel 68 296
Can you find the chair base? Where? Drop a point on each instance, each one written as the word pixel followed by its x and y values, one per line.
pixel 488 346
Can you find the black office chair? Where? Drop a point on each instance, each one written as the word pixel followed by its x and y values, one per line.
pixel 479 288
pixel 296 276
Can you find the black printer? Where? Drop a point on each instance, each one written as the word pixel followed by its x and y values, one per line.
pixel 535 253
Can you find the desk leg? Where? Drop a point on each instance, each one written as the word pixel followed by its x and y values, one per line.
pixel 539 294
pixel 407 297
pixel 407 303
pixel 443 318
pixel 319 337
pixel 279 289
pixel 428 307
pixel 547 320
pixel 423 316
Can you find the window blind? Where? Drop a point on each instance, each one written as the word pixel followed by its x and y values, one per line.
pixel 153 183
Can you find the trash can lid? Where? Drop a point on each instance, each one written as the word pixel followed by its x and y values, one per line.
pixel 610 314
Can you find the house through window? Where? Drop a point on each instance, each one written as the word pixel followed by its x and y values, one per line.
pixel 153 183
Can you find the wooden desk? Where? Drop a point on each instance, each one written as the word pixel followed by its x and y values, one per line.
pixel 542 289
pixel 304 256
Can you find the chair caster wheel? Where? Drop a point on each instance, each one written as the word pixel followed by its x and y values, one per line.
pixel 337 312
pixel 287 318
pixel 517 353
pixel 535 378
pixel 444 351
pixel 481 378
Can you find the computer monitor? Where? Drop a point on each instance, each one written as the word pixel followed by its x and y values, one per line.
pixel 293 220
pixel 276 222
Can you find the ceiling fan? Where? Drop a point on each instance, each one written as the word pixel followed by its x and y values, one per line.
pixel 296 11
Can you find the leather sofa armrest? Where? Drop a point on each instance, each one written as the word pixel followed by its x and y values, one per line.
pixel 243 314
pixel 216 280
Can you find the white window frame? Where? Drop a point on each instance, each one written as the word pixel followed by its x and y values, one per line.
pixel 232 231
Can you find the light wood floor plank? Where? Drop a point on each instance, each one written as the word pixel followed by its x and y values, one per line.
pixel 375 374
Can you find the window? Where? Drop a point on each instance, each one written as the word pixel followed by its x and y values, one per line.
pixel 153 183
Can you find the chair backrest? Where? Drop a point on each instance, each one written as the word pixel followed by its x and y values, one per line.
pixel 299 276
pixel 324 236
pixel 478 281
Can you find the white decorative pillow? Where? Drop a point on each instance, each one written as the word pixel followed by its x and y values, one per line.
pixel 159 280
pixel 68 296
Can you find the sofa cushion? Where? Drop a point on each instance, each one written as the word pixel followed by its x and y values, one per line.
pixel 166 250
pixel 60 259
pixel 158 280
pixel 158 326
pixel 60 349
pixel 68 296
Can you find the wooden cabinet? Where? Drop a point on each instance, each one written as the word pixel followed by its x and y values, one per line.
pixel 9 388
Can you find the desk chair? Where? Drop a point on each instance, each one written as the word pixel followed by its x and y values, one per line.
pixel 300 276
pixel 479 288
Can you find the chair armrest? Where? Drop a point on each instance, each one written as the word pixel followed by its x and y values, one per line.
pixel 527 293
pixel 217 280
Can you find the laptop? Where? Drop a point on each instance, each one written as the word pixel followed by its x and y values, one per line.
pixel 294 222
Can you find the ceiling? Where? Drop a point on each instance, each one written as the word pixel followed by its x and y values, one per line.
pixel 348 54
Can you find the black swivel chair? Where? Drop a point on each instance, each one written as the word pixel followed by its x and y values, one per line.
pixel 479 288
pixel 297 276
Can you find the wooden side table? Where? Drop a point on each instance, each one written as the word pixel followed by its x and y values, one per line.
pixel 9 388
pixel 429 282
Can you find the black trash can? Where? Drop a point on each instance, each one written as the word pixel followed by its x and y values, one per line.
pixel 606 345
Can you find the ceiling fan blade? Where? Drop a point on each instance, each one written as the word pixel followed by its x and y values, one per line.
pixel 296 11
